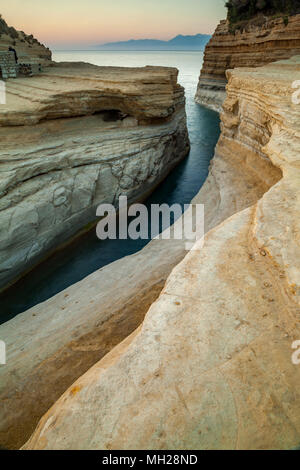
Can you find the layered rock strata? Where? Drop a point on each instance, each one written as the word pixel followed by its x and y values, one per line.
pixel 211 366
pixel 77 136
pixel 26 46
pixel 252 46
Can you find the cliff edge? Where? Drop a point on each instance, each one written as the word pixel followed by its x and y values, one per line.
pixel 252 46
pixel 77 135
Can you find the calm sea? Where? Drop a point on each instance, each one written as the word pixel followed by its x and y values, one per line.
pixel 89 254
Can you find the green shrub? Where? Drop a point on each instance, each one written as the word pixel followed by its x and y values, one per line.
pixel 239 10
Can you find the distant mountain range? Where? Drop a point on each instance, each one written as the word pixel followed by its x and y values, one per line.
pixel 179 43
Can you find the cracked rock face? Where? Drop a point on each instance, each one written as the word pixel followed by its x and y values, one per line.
pixel 77 136
pixel 210 367
pixel 254 46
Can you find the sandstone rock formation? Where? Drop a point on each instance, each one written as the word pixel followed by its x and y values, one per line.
pixel 253 46
pixel 54 343
pixel 210 367
pixel 73 137
pixel 25 45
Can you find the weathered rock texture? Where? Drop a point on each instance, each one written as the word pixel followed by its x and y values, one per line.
pixel 211 367
pixel 253 46
pixel 26 46
pixel 53 344
pixel 77 136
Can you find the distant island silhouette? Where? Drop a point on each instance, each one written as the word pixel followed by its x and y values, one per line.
pixel 180 42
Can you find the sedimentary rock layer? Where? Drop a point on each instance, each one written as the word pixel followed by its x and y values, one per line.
pixel 26 46
pixel 80 325
pixel 211 366
pixel 253 46
pixel 76 136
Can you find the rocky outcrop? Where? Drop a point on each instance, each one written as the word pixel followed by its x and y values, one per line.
pixel 74 137
pixel 26 46
pixel 210 367
pixel 253 46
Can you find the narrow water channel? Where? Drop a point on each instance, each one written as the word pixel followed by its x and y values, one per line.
pixel 87 254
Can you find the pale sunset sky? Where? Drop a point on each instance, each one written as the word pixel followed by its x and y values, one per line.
pixel 69 23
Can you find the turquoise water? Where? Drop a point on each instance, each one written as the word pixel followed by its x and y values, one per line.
pixel 88 254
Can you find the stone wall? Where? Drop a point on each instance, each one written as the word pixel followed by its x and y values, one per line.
pixel 8 66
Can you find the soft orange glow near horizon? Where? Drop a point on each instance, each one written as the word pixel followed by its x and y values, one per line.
pixel 90 22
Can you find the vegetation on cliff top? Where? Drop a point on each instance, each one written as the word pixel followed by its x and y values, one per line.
pixel 14 34
pixel 245 10
pixel 5 29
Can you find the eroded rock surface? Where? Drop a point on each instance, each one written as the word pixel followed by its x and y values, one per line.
pixel 211 366
pixel 74 137
pixel 253 46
